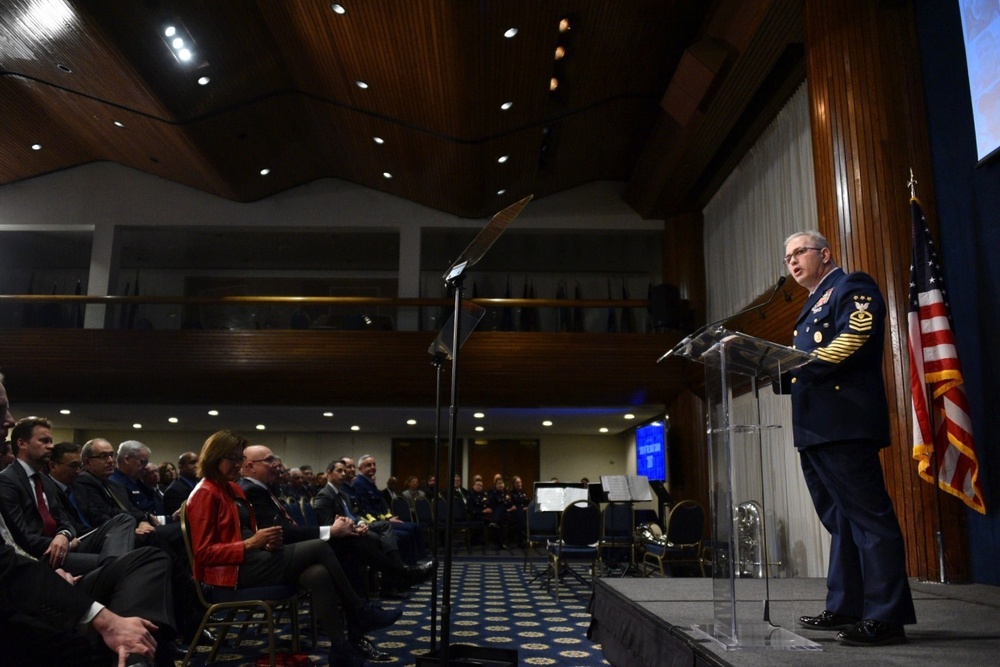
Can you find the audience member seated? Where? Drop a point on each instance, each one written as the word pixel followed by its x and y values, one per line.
pixel 230 551
pixel 6 455
pixel 132 459
pixel 503 525
pixel 412 492
pixel 42 527
pixel 168 473
pixel 431 490
pixel 477 507
pixel 391 491
pixel 409 535
pixel 353 546
pixel 64 467
pixel 521 502
pixel 183 484
pixel 48 614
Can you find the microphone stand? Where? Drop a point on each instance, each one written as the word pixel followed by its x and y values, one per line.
pixel 711 325
pixel 438 362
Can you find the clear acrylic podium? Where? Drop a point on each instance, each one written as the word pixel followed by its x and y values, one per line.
pixel 737 365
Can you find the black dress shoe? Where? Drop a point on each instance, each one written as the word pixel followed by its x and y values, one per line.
pixel 828 621
pixel 372 617
pixel 870 632
pixel 417 574
pixel 365 649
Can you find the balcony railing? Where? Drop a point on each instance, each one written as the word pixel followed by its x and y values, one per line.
pixel 244 313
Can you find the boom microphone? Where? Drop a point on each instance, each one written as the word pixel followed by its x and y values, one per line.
pixel 711 325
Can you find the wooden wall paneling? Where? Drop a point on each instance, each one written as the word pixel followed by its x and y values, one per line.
pixel 866 134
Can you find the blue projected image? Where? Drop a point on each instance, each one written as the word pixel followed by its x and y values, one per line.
pixel 651 451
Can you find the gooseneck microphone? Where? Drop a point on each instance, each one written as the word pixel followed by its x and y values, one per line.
pixel 711 325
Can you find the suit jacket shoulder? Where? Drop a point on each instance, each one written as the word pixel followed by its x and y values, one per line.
pixel 18 497
pixel 175 495
pixel 269 514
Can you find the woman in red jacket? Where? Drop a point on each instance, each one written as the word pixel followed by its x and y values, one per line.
pixel 230 552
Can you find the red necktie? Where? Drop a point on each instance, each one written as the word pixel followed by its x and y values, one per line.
pixel 48 522
pixel 281 506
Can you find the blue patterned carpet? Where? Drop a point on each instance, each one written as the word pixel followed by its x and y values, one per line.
pixel 493 605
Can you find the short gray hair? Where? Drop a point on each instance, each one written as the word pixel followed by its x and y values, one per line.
pixel 130 448
pixel 815 238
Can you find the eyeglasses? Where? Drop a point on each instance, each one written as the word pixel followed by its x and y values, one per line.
pixel 269 460
pixel 235 458
pixel 75 465
pixel 104 456
pixel 795 254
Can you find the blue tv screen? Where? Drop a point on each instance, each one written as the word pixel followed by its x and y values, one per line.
pixel 651 451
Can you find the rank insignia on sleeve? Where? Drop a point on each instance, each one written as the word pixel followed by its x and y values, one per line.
pixel 861 319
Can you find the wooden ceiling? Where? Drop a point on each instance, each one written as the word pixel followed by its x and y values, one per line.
pixel 661 94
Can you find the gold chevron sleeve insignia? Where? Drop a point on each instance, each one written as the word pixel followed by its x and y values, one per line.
pixel 841 347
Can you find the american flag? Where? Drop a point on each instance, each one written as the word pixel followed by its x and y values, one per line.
pixel 937 394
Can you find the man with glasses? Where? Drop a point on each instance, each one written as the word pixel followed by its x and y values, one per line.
pixel 43 527
pixel 840 422
pixel 65 466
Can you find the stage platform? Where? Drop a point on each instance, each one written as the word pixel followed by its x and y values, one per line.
pixel 648 622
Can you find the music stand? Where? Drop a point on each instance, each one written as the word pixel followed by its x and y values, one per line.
pixel 554 497
pixel 628 489
pixel 440 351
pixel 454 279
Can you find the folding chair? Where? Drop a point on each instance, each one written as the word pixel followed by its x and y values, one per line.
pixel 579 536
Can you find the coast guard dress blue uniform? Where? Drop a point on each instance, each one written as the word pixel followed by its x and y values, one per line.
pixel 840 422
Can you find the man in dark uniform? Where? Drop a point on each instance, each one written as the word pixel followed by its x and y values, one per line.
pixel 841 420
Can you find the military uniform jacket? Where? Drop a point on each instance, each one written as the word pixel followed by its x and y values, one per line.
pixel 840 394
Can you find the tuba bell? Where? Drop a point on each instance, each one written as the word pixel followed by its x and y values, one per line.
pixel 649 533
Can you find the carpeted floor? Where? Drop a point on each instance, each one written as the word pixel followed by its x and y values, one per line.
pixel 494 604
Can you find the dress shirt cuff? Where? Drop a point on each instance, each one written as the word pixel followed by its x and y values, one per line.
pixel 84 624
pixel 324 533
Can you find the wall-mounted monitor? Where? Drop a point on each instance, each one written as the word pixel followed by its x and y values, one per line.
pixel 651 450
pixel 981 33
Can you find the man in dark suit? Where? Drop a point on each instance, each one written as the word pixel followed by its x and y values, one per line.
pixel 351 544
pixel 101 499
pixel 65 465
pixel 181 488
pixel 36 517
pixel 840 421
pixel 125 602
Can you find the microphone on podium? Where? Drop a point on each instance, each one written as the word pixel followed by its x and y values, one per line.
pixel 711 325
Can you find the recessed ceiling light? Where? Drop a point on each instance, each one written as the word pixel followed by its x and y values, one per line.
pixel 327 414
pixel 170 31
pixel 265 171
pixel 411 422
pixel 36 147
pixel 260 427
pixel 479 415
pixel 118 123
pixel 338 8
pixel 137 425
pixel 184 54
pixel 560 52
pixel 629 416
pixel 480 429
pixel 361 84
pixel 65 68
pixel 386 174
pixel 502 191
pixel 503 158
pixel 564 25
pixel 173 420
pixel 177 43
pixel 214 413
pixel 203 80
pixel 553 83
pixel 64 411
pixel 603 429
pixel 355 428
pixel 378 140
pixel 506 105
pixel 546 423
pixel 510 32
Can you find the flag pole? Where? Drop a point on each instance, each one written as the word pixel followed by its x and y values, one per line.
pixel 939 533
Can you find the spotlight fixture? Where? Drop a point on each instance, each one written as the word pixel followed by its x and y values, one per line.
pixel 510 32
pixel 181 45
pixel 338 8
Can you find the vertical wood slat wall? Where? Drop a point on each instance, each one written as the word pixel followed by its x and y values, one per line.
pixel 869 129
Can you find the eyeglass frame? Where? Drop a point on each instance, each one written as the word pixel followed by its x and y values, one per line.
pixel 269 460
pixel 798 252
pixel 104 456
